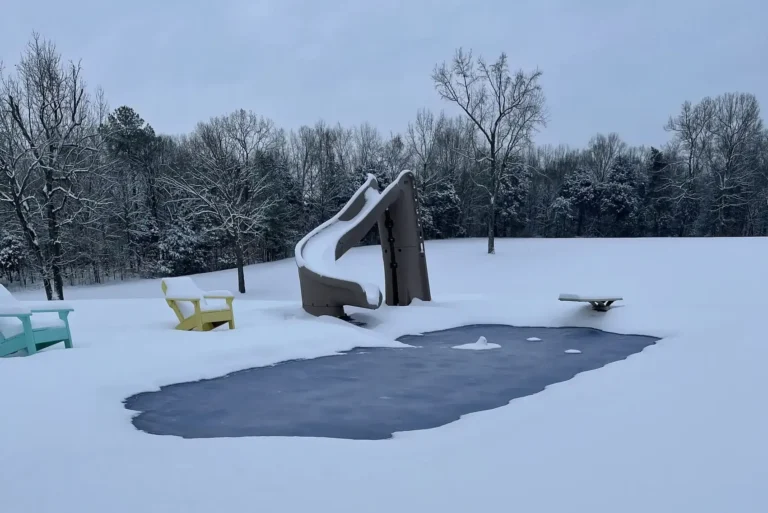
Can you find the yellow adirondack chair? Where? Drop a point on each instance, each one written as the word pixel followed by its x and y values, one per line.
pixel 195 309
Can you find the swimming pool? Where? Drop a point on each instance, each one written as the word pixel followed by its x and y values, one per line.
pixel 371 393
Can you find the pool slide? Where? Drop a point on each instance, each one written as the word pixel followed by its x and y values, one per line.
pixel 325 286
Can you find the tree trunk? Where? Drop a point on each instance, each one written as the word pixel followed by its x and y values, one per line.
pixel 58 281
pixel 240 259
pixel 96 274
pixel 491 226
pixel 152 193
pixel 55 243
pixel 492 203
pixel 30 235
pixel 47 284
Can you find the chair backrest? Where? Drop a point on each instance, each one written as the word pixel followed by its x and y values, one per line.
pixel 5 295
pixel 9 304
pixel 10 326
pixel 181 287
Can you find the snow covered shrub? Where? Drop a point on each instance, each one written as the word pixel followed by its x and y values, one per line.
pixel 182 251
pixel 12 254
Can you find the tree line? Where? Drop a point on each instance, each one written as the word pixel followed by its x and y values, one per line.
pixel 90 194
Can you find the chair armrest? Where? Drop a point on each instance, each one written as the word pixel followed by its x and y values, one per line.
pixel 51 310
pixel 174 298
pixel 16 315
pixel 218 294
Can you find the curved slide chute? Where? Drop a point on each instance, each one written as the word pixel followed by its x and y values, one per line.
pixel 325 289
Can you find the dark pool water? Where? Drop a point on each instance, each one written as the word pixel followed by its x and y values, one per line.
pixel 371 393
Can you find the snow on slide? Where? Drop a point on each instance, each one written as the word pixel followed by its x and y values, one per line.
pixel 317 250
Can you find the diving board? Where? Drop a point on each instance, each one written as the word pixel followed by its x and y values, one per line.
pixel 599 303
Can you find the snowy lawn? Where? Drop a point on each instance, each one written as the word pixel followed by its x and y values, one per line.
pixel 678 427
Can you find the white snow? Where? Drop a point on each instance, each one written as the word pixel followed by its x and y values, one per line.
pixel 218 294
pixel 572 351
pixel 10 305
pixel 678 427
pixel 13 309
pixel 533 339
pixel 182 287
pixel 481 344
pixel 10 327
pixel 589 297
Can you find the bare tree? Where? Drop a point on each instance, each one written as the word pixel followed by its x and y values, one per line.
pixel 691 143
pixel 250 134
pixel 395 156
pixel 505 110
pixel 49 140
pixel 736 131
pixel 223 182
pixel 691 127
pixel 368 147
pixel 318 157
pixel 300 148
pixel 602 153
pixel 757 214
pixel 422 140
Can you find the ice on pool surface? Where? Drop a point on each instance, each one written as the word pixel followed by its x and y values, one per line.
pixel 371 393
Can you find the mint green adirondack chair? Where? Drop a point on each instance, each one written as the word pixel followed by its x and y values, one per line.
pixel 21 329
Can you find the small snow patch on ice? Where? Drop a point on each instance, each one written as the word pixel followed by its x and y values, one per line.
pixel 573 351
pixel 533 339
pixel 481 344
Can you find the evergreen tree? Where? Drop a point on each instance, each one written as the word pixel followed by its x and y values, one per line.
pixel 659 208
pixel 440 210
pixel 134 148
pixel 283 226
pixel 581 194
pixel 13 255
pixel 620 200
pixel 513 191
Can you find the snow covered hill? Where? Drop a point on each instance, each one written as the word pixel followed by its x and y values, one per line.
pixel 678 427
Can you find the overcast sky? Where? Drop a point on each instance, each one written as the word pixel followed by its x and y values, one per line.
pixel 609 65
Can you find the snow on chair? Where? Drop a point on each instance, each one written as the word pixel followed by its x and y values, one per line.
pixel 22 329
pixel 195 309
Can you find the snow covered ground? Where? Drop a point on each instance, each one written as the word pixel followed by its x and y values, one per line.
pixel 678 427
